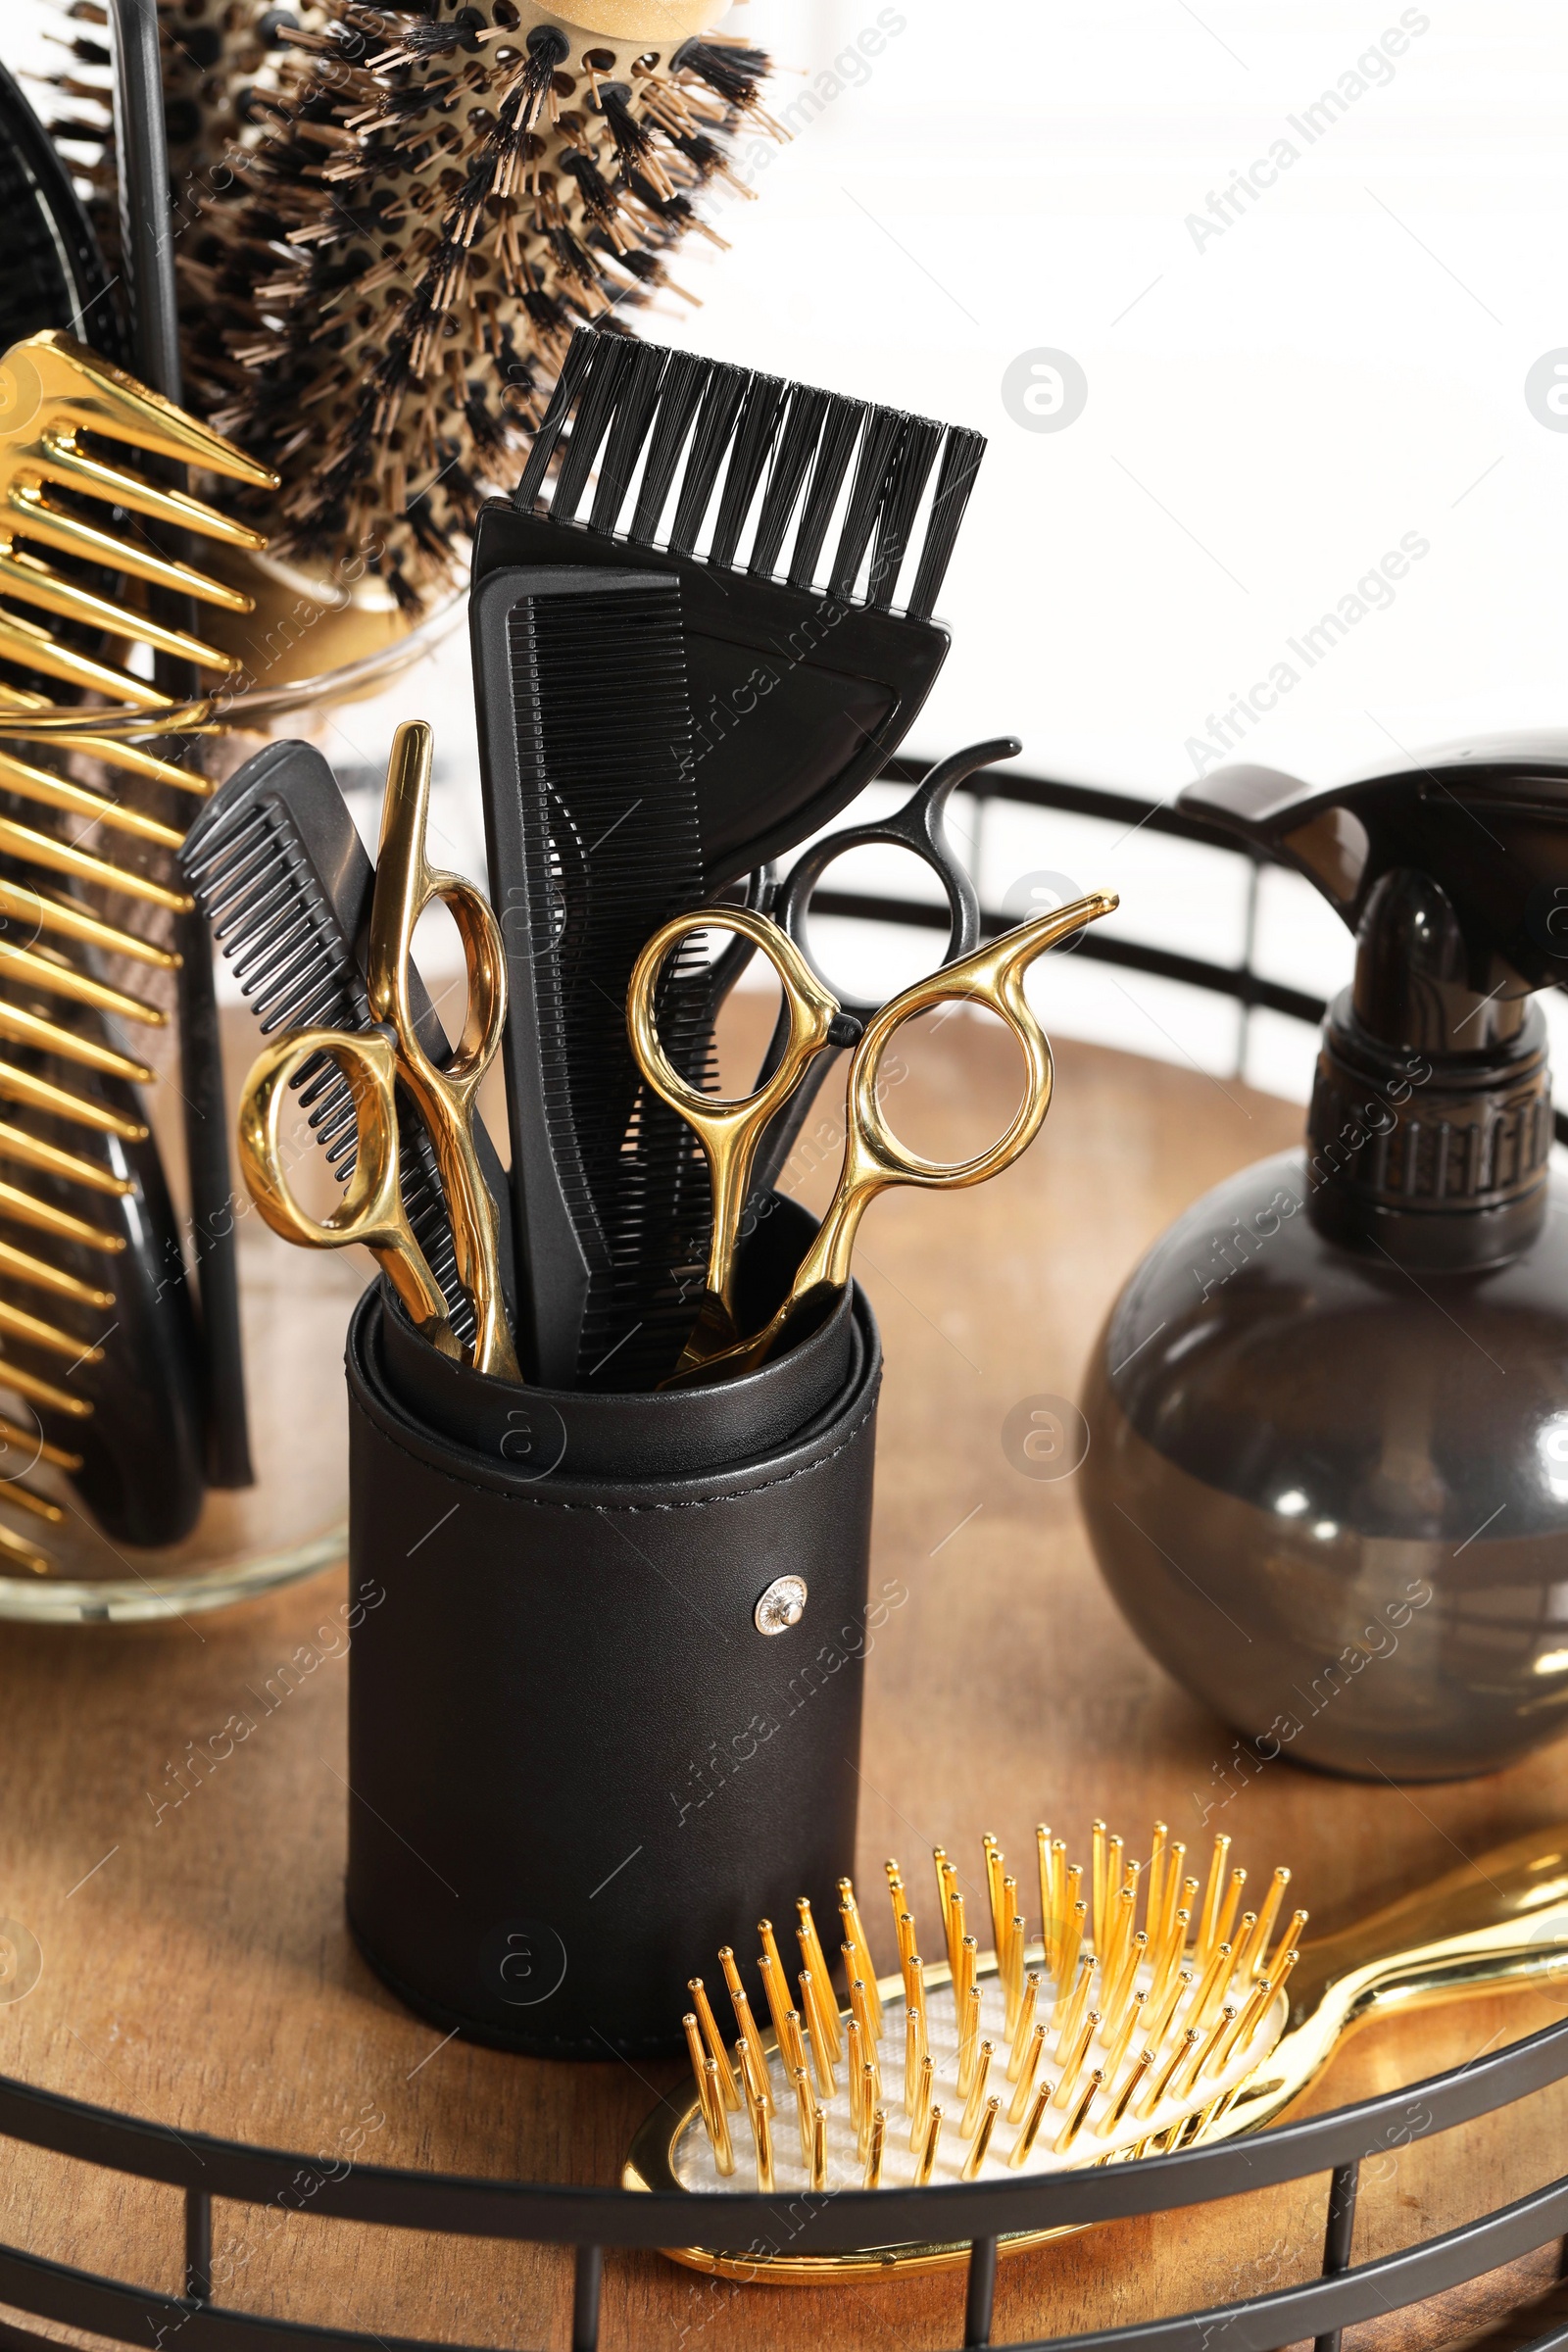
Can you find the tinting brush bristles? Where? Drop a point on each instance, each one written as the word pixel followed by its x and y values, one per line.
pixel 750 458
pixel 380 291
pixel 1125 2028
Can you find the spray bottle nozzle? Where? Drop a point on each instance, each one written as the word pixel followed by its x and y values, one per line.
pixel 1431 1118
pixel 1487 823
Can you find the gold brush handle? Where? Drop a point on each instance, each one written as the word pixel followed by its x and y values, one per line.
pixel 1502 1920
pixel 372 1210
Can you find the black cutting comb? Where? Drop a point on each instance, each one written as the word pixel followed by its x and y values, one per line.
pixel 279 870
pixel 591 822
pixel 802 677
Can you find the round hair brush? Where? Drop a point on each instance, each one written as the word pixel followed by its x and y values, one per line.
pixel 430 203
pixel 421 213
pixel 390 224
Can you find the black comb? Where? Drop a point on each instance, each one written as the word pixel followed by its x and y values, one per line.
pixel 591 822
pixel 803 676
pixel 280 871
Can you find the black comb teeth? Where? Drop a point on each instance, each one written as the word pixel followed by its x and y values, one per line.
pixel 709 427
pixel 258 887
pixel 604 742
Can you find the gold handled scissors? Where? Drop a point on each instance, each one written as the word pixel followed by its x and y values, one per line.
pixel 374 1062
pixel 730 1131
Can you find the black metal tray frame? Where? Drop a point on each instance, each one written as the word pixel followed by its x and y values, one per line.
pixel 981 2212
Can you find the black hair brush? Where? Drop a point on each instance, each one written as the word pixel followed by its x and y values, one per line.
pixel 804 676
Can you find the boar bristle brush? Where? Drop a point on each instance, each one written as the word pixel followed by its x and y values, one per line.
pixel 1125 2028
pixel 378 297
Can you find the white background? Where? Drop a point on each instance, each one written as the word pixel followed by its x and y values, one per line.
pixel 1266 413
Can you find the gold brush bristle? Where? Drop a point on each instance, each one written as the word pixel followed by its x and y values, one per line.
pixel 56 400
pixel 1118 2031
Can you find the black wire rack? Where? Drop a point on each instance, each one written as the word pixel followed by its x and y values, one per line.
pixel 1130 812
pixel 596 2220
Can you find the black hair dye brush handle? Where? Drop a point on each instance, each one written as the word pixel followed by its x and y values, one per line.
pixel 798 698
pixel 146 236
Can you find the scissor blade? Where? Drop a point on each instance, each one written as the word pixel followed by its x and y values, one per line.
pixel 712 1333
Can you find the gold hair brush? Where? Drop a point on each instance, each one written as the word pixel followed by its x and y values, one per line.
pixel 1128 2025
pixel 108 1299
pixel 1230 2051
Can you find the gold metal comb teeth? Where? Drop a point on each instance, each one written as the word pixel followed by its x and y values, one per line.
pixel 1124 2028
pixel 58 400
pixel 53 391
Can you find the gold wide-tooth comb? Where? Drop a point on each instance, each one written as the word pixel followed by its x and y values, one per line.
pixel 52 392
pixel 57 401
pixel 1127 2026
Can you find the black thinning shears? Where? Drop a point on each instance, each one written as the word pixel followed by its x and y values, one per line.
pixel 920 827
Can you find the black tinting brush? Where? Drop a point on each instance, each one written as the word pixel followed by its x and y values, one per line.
pixel 654 723
pixel 803 674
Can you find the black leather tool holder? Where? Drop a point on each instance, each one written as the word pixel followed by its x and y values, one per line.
pixel 578 1762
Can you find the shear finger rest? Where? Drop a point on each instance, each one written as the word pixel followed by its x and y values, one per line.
pixel 992 976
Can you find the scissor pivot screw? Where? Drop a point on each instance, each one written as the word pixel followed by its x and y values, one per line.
pixel 782 1605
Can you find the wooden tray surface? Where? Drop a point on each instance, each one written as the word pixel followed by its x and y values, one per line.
pixel 196 1964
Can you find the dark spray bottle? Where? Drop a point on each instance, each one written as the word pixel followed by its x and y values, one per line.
pixel 1327 1480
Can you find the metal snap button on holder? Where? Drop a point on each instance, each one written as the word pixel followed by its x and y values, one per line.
pixel 782 1605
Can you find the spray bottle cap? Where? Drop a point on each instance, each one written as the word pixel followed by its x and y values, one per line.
pixel 1430 1121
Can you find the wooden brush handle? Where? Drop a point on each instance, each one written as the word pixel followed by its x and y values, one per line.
pixel 642 21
